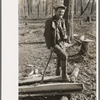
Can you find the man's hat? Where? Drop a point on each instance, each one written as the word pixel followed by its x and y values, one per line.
pixel 59 6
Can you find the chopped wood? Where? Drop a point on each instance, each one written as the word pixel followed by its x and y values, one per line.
pixel 50 89
pixel 38 80
pixel 74 74
pixel 47 94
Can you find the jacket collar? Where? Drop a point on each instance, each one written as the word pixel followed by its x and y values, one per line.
pixel 54 18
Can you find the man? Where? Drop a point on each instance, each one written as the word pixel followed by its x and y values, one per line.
pixel 55 36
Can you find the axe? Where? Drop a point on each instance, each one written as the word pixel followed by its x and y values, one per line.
pixel 46 66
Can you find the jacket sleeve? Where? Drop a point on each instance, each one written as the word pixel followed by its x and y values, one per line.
pixel 47 33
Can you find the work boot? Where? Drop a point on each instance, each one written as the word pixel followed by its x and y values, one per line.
pixel 58 71
pixel 65 78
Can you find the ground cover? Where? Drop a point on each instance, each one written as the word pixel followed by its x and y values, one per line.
pixel 33 54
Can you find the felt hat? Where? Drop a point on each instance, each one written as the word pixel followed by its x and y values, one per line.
pixel 59 6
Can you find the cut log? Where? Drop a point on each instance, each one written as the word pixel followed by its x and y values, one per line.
pixel 50 89
pixel 38 80
pixel 60 97
pixel 45 94
pixel 74 74
pixel 64 98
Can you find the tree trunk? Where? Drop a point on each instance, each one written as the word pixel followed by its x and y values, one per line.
pixel 52 7
pixel 75 7
pixel 38 8
pixel 86 7
pixel 92 7
pixel 43 5
pixel 81 7
pixel 69 18
pixel 29 2
pixel 25 8
pixel 46 9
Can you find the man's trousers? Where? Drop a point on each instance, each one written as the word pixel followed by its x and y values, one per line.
pixel 62 58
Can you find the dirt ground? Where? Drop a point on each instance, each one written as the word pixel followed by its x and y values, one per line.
pixel 33 54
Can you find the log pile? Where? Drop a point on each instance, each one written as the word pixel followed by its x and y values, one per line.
pixel 51 86
pixel 50 89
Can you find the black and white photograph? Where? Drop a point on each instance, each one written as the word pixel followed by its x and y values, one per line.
pixel 57 50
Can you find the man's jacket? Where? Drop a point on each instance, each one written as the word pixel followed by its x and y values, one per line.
pixel 52 32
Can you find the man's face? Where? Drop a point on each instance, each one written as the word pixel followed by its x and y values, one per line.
pixel 60 12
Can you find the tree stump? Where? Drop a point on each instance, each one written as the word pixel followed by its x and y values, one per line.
pixel 88 19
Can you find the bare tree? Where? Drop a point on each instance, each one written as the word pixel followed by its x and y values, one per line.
pixel 29 3
pixel 43 5
pixel 52 6
pixel 38 8
pixel 92 7
pixel 81 6
pixel 46 8
pixel 75 7
pixel 85 7
pixel 69 18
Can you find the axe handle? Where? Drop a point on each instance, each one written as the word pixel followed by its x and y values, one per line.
pixel 46 66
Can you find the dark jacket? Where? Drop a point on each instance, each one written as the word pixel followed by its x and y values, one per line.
pixel 52 30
